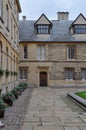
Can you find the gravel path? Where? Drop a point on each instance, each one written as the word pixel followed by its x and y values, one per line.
pixel 14 116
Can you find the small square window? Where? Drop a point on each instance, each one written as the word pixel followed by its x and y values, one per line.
pixel 69 73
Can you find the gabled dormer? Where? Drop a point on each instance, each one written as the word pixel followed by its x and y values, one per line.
pixel 43 25
pixel 79 25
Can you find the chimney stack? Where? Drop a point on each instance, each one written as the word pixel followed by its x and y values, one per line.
pixel 63 15
pixel 24 17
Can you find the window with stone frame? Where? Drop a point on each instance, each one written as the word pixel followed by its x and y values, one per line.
pixel 7 58
pixel 69 73
pixel 11 28
pixel 83 73
pixel 80 29
pixel 1 1
pixel 14 34
pixel 23 73
pixel 43 29
pixel 7 16
pixel 71 52
pixel 41 52
pixel 25 52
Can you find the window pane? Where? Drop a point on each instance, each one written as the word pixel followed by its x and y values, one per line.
pixel 80 29
pixel 25 52
pixel 41 52
pixel 7 16
pixel 21 74
pixel 71 50
pixel 0 8
pixel 25 74
pixel 69 74
pixel 83 74
pixel 43 29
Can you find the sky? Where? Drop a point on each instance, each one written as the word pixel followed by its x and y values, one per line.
pixel 33 9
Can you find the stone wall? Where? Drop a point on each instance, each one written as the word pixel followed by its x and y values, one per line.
pixel 55 63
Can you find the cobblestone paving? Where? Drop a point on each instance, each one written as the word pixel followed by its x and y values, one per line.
pixel 14 116
pixel 48 110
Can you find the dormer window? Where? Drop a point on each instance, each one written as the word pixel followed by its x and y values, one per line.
pixel 80 29
pixel 43 29
pixel 43 25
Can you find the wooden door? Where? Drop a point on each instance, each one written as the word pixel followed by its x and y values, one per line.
pixel 43 79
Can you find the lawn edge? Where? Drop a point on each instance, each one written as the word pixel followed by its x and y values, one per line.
pixel 80 101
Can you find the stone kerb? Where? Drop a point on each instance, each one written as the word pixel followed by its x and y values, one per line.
pixel 79 100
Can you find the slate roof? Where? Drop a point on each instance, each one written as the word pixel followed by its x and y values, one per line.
pixel 60 31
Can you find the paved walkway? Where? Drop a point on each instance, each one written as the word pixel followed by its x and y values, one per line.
pixel 49 109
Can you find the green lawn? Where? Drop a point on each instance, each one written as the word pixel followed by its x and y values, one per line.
pixel 81 94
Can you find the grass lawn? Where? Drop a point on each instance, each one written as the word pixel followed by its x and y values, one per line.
pixel 81 94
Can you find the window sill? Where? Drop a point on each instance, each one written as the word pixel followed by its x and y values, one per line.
pixel 71 59
pixel 25 58
pixel 83 79
pixel 68 79
pixel 79 33
pixel 41 60
pixel 43 34
pixel 23 79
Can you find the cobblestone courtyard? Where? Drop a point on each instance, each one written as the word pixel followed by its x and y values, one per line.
pixel 14 116
pixel 45 109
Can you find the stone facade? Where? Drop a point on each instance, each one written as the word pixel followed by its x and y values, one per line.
pixel 55 64
pixel 56 60
pixel 9 53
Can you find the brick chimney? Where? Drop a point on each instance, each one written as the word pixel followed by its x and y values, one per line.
pixel 63 15
pixel 24 17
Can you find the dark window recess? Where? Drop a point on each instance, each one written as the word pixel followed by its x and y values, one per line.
pixel 80 29
pixel 43 29
pixel 25 51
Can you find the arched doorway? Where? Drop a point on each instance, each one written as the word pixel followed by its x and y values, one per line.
pixel 43 78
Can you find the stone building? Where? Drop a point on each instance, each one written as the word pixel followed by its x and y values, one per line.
pixel 53 52
pixel 9 53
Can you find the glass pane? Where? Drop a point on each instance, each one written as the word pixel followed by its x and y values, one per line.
pixel 83 73
pixel 80 29
pixel 25 74
pixel 0 7
pixel 43 29
pixel 71 52
pixel 25 51
pixel 69 74
pixel 21 74
pixel 38 57
pixel 43 57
